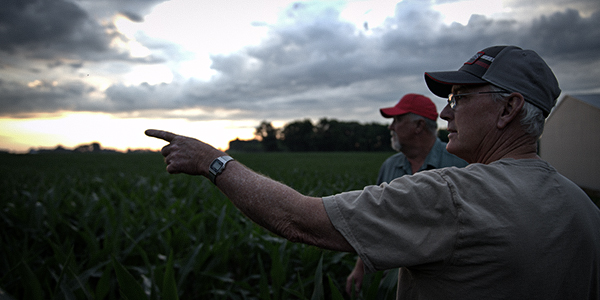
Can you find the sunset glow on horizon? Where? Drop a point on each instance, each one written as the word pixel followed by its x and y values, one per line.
pixel 215 71
pixel 75 129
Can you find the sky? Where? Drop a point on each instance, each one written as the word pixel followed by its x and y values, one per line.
pixel 74 72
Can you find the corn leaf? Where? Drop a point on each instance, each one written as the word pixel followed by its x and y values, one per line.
pixel 319 292
pixel 128 286
pixel 169 287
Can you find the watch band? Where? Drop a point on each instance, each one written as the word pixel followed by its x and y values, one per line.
pixel 217 167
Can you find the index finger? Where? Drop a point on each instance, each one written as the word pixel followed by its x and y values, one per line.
pixel 161 134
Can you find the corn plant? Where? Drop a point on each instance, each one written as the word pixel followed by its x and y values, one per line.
pixel 117 226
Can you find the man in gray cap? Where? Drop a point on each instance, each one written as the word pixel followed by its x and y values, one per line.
pixel 508 226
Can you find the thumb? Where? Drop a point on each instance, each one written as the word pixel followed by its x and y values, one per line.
pixel 164 135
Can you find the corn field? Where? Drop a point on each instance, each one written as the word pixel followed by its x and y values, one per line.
pixel 118 226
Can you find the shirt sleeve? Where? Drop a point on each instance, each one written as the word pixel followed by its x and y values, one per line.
pixel 410 221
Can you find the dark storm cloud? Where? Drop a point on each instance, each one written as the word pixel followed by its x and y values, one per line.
pixel 317 65
pixel 133 17
pixel 38 36
pixel 36 25
pixel 301 61
pixel 60 29
pixel 22 101
pixel 567 34
pixel 571 45
pixel 531 6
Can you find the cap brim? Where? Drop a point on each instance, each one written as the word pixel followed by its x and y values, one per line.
pixel 391 112
pixel 440 83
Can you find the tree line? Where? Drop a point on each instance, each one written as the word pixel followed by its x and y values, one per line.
pixel 325 135
pixel 94 147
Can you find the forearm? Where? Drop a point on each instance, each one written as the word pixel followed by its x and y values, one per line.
pixel 269 203
pixel 280 208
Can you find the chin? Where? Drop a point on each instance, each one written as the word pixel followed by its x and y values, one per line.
pixel 395 144
pixel 454 148
pixel 451 147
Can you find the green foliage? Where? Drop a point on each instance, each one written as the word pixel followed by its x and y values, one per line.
pixel 325 135
pixel 113 226
pixel 129 287
pixel 268 136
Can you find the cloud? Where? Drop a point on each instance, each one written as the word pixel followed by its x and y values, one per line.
pixel 61 29
pixel 311 64
pixel 42 27
pixel 567 34
pixel 537 7
pixel 40 96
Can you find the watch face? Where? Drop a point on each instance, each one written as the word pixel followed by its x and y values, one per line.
pixel 216 165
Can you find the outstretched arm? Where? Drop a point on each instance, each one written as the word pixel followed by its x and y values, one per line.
pixel 269 203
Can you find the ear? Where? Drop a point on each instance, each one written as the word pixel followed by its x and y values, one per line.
pixel 511 109
pixel 420 126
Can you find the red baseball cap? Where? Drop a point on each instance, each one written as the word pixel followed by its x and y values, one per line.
pixel 412 103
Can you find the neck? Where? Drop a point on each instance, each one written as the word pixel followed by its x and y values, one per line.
pixel 516 145
pixel 417 153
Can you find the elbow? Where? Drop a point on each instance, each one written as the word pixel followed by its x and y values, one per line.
pixel 292 232
pixel 287 230
pixel 294 237
pixel 298 234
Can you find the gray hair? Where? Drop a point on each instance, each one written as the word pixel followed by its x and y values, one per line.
pixel 532 118
pixel 431 125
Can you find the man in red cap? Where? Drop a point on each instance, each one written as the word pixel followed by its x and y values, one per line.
pixel 414 136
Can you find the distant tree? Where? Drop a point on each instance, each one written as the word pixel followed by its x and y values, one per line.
pixel 268 136
pixel 377 137
pixel 83 148
pixel 333 135
pixel 299 136
pixel 326 135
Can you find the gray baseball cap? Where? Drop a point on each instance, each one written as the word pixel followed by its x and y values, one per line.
pixel 508 67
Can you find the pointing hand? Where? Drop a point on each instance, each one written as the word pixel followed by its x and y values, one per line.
pixel 184 154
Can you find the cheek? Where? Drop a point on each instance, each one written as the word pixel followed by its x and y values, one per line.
pixel 470 132
pixel 463 131
pixel 459 144
pixel 396 130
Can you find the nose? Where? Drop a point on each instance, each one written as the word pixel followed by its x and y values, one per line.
pixel 447 113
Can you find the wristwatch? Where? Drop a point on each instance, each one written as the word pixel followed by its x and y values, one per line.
pixel 217 166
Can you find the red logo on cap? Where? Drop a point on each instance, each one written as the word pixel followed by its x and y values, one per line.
pixel 475 57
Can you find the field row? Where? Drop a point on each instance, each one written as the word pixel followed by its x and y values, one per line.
pixel 108 226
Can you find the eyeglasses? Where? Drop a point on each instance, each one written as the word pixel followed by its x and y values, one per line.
pixel 452 98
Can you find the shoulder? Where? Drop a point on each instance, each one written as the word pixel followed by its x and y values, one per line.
pixel 522 173
pixel 394 159
pixel 446 159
